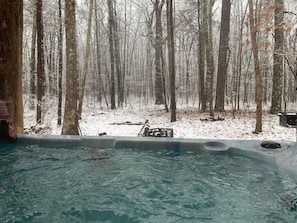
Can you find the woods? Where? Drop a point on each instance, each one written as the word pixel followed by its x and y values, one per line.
pixel 216 56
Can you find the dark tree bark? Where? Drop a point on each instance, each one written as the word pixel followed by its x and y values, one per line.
pixel 149 58
pixel 163 74
pixel 159 99
pixel 40 60
pixel 239 58
pixel 33 63
pixel 100 88
pixel 50 44
pixel 70 122
pixel 210 61
pixel 202 8
pixel 259 85
pixel 223 56
pixel 60 71
pixel 111 52
pixel 118 64
pixel 278 62
pixel 171 59
pixel 11 39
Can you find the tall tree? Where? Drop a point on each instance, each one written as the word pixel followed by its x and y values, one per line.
pixel 202 11
pixel 120 74
pixel 259 85
pixel 223 56
pixel 278 55
pixel 111 52
pixel 11 40
pixel 209 59
pixel 86 60
pixel 33 62
pixel 149 56
pixel 101 87
pixel 171 59
pixel 49 46
pixel 159 99
pixel 239 54
pixel 60 71
pixel 40 60
pixel 70 121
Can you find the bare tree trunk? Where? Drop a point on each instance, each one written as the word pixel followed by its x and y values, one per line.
pixel 60 70
pixel 70 122
pixel 149 63
pixel 120 76
pixel 98 55
pixel 223 56
pixel 266 64
pixel 210 61
pixel 259 87
pixel 163 78
pixel 111 51
pixel 50 52
pixel 86 60
pixel 125 51
pixel 202 11
pixel 278 63
pixel 159 98
pixel 40 60
pixel 239 57
pixel 187 70
pixel 11 40
pixel 33 63
pixel 171 59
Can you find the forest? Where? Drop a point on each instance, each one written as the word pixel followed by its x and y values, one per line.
pixel 215 54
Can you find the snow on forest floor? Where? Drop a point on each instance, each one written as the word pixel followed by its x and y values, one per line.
pixel 123 122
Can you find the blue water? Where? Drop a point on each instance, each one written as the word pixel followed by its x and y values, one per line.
pixel 52 184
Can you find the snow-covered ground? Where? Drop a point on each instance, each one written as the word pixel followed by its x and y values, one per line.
pixel 123 122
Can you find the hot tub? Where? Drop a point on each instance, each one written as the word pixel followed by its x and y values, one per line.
pixel 135 179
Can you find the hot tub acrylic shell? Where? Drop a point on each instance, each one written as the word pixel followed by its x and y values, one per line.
pixel 286 156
